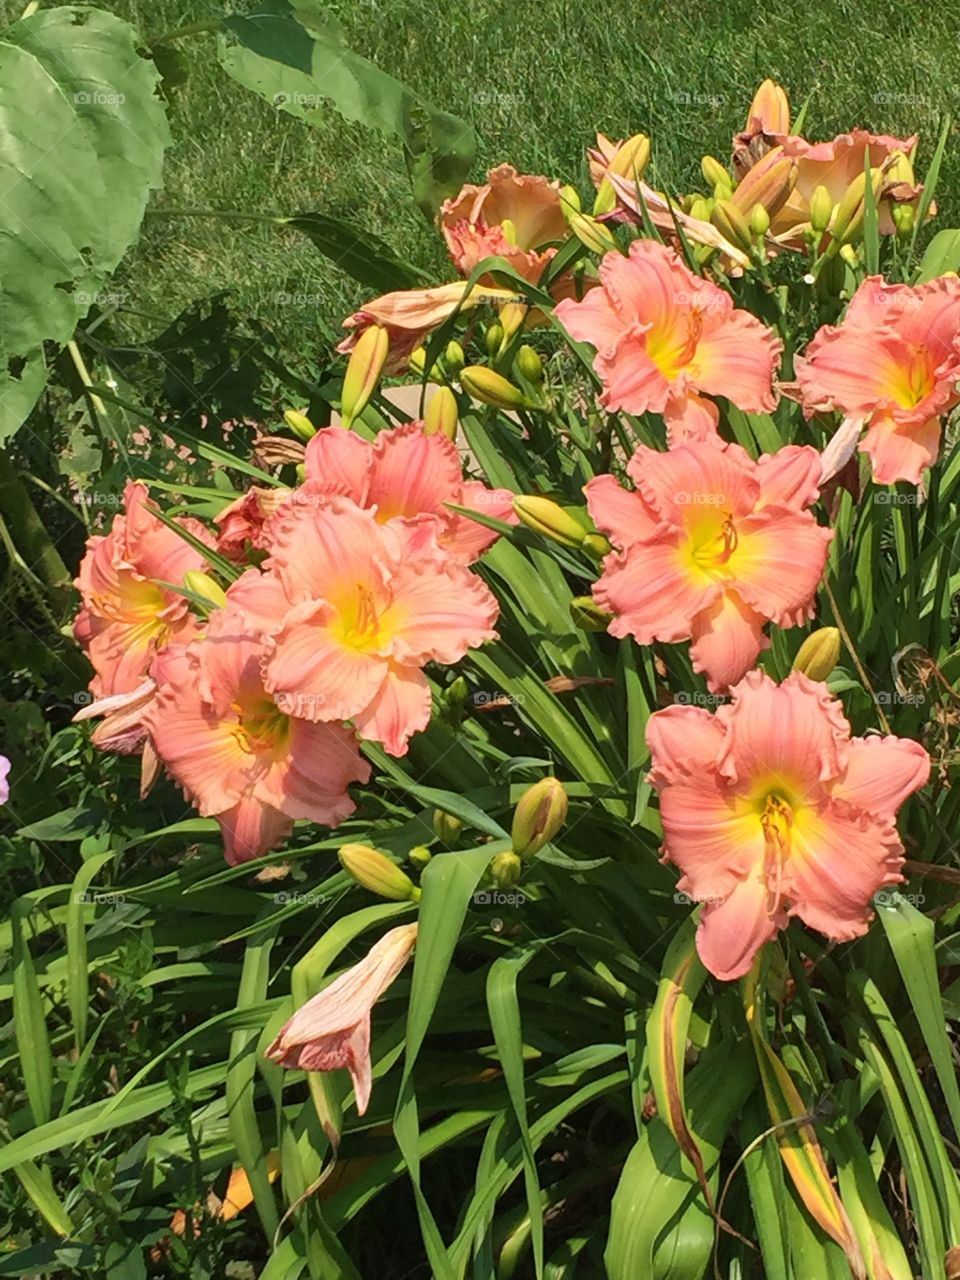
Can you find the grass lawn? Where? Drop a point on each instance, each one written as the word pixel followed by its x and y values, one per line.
pixel 536 78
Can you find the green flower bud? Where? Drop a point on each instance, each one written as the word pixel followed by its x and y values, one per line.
pixel 819 653
pixel 539 815
pixel 377 873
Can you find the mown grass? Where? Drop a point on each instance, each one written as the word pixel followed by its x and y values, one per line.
pixel 536 78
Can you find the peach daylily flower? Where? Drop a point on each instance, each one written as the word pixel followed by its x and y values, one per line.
pixel 709 547
pixel 354 610
pixel 125 615
pixel 234 751
pixel 333 1029
pixel 664 337
pixel 515 216
pixel 771 809
pixel 406 474
pixel 895 362
pixel 832 164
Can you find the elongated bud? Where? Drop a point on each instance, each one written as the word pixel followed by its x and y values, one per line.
pixel 714 174
pixel 701 209
pixel 759 221
pixel 529 364
pixel 202 585
pixel 493 338
pixel 446 827
pixel 904 217
pixel 299 424
pixel 512 315
pixel 722 191
pixel 377 873
pixel 548 518
pixel 505 869
pixel 509 230
pixel 821 209
pixel 900 169
pixel 595 235
pixel 363 372
pixel 539 815
pixel 732 225
pixel 419 855
pixel 850 256
pixel 848 219
pixel 819 653
pixel 492 388
pixel 587 614
pixel 770 108
pixel 769 183
pixel 632 157
pixel 453 358
pixel 441 414
pixel 569 201
pixel 418 361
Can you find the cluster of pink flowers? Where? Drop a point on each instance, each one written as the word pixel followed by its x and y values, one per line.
pixel 357 580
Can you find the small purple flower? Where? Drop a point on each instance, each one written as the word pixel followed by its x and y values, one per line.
pixel 4 770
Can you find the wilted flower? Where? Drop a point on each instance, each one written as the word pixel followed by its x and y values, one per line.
pixel 664 337
pixel 126 615
pixel 354 610
pixel 333 1029
pixel 239 757
pixel 240 525
pixel 406 474
pixel 895 362
pixel 710 546
pixel 770 809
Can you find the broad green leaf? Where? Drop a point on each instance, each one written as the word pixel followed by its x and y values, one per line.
pixel 84 135
pixel 295 56
pixel 941 255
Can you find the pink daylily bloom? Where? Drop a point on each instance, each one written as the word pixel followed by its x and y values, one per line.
pixel 126 616
pixel 354 610
pixel 894 362
pixel 516 216
pixel 771 809
pixel 235 752
pixel 406 474
pixel 4 785
pixel 333 1029
pixel 709 547
pixel 667 339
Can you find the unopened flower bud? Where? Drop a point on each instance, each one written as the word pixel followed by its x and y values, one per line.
pixel 569 201
pixel 363 372
pixel 539 815
pixel 419 855
pixel 701 209
pixel 548 518
pixel 714 174
pixel 418 361
pixel 377 873
pixel 722 191
pixel 850 256
pixel 587 614
pixel 819 653
pixel 769 183
pixel 848 219
pixel 904 218
pixel 440 414
pixel 821 208
pixel 632 157
pixel 596 236
pixel 492 388
pixel 202 585
pixel 446 827
pixel 596 545
pixel 529 364
pixel 493 338
pixel 453 358
pixel 732 225
pixel 759 221
pixel 505 869
pixel 299 424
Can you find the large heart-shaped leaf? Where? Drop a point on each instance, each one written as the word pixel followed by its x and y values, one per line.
pixel 82 136
pixel 296 57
